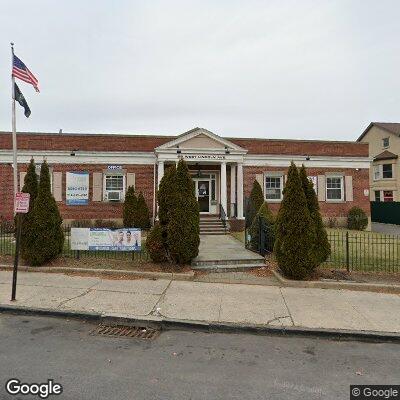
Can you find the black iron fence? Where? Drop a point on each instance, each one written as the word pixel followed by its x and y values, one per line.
pixel 7 247
pixel 351 250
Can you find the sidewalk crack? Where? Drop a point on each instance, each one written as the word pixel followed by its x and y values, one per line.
pixel 287 307
pixel 88 290
pixel 154 311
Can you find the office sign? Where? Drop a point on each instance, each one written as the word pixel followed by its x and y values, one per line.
pixel 124 239
pixel 77 188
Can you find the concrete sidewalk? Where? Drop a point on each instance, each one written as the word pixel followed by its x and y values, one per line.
pixel 207 302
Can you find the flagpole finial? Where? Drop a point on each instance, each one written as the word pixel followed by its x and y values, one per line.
pixel 12 44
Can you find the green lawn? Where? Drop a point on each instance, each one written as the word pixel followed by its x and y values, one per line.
pixel 365 251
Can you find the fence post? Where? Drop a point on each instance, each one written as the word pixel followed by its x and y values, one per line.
pixel 347 252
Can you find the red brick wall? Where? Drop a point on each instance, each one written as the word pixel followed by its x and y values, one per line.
pixel 303 147
pixel 95 142
pixel 144 182
pixel 360 182
pixel 28 141
pixel 6 191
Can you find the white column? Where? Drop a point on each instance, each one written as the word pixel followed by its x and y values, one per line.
pixel 223 186
pixel 233 189
pixel 240 190
pixel 160 172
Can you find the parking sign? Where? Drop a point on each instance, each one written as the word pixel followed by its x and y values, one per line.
pixel 22 202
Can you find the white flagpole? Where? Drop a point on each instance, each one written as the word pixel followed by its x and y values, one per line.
pixel 14 128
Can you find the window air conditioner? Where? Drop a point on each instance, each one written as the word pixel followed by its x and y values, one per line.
pixel 114 196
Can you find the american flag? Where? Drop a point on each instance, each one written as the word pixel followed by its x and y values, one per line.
pixel 21 71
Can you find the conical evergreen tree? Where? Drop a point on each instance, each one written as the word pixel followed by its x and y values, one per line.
pixel 267 220
pixel 46 238
pixel 294 230
pixel 322 247
pixel 183 231
pixel 31 187
pixel 155 246
pixel 256 200
pixel 141 213
pixel 165 195
pixel 128 211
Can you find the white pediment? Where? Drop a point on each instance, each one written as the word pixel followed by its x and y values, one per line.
pixel 199 138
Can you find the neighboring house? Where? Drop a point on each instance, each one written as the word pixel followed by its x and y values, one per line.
pixel 384 149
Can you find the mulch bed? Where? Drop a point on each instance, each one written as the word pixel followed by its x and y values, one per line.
pixel 106 263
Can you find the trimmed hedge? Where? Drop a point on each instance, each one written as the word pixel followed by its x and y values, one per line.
pixel 45 238
pixel 256 200
pixel 321 245
pixel 294 230
pixel 183 229
pixel 357 219
pixel 130 204
pixel 31 186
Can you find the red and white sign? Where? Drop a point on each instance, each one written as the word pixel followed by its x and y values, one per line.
pixel 22 202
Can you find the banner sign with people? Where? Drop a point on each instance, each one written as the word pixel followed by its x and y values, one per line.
pixel 77 188
pixel 124 239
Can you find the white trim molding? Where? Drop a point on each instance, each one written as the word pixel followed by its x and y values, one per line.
pixel 80 157
pixel 254 160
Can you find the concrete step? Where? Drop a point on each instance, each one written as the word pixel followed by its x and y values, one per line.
pixel 244 261
pixel 211 225
pixel 212 229
pixel 226 267
pixel 214 233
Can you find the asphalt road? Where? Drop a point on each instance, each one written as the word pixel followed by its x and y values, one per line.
pixel 186 365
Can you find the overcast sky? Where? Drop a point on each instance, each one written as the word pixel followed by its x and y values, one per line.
pixel 274 69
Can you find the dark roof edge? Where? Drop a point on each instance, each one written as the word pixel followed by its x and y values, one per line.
pixel 377 125
pixel 174 137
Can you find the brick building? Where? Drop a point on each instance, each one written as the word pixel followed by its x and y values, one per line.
pixel 223 170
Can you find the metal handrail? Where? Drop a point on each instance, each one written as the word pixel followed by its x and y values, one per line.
pixel 222 216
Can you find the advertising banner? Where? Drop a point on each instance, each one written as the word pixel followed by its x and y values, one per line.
pixel 124 239
pixel 77 188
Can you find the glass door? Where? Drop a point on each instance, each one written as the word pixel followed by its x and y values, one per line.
pixel 203 195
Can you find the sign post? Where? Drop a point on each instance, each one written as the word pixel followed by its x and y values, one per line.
pixel 21 207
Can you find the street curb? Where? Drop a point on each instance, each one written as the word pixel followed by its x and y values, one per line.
pixel 166 324
pixel 367 287
pixel 179 276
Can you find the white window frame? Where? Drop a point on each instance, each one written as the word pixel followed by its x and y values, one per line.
pixel 280 177
pixel 105 191
pixel 341 177
pixel 383 142
pixel 383 196
pixel 392 171
pixel 378 172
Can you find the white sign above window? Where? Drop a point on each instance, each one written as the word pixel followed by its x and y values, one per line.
pixel 203 157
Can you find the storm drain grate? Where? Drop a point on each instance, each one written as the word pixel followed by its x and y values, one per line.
pixel 125 331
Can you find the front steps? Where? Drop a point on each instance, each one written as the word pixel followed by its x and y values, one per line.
pixel 233 265
pixel 211 225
